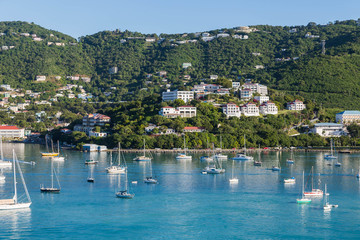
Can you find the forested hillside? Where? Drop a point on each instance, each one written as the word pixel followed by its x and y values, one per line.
pixel 292 62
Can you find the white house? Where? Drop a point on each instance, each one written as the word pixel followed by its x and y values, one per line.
pixel 213 77
pixel 182 111
pixel 296 105
pixel 97 134
pixel 246 94
pixel 268 108
pixel 11 132
pixel 193 129
pixel 169 112
pixel 186 96
pixel 236 85
pixel 329 129
pixel 250 109
pixel 347 117
pixel 187 111
pixel 40 78
pixel 231 110
pixel 261 99
pixel 186 65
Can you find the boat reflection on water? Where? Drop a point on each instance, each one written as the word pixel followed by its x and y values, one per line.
pixel 15 222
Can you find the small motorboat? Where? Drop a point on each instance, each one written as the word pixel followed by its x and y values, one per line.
pixel 90 161
pixel 289 180
pixel 90 179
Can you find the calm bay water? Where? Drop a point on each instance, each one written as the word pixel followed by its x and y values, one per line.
pixel 185 204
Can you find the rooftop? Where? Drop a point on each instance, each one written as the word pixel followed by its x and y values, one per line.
pixel 349 112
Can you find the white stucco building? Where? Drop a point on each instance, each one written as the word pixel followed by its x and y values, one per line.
pixel 250 109
pixel 347 117
pixel 296 105
pixel 268 108
pixel 231 110
pixel 329 129
pixel 186 96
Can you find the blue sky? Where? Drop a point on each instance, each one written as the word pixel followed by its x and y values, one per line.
pixel 80 18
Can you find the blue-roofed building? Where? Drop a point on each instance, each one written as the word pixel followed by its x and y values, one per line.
pixel 329 129
pixel 347 117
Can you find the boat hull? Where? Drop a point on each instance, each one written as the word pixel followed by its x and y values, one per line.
pixel 125 196
pixel 49 154
pixel 303 201
pixel 142 158
pixel 116 170
pixel 50 190
pixel 314 193
pixel 5 164
pixel 186 158
pixel 14 206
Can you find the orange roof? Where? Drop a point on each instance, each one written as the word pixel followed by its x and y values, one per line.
pixel 9 128
pixel 193 128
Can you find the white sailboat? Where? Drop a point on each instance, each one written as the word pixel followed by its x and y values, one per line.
pixel 51 189
pixel 13 203
pixel 277 167
pixel 314 192
pixel 3 163
pixel 291 159
pixel 183 156
pixel 114 169
pixel 125 193
pixel 233 180
pixel 220 156
pixel 327 206
pixel 303 199
pixel 58 158
pixel 207 158
pixel 144 157
pixel 243 156
pixel 331 155
pixel 150 179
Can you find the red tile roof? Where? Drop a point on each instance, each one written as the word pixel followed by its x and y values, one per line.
pixel 9 128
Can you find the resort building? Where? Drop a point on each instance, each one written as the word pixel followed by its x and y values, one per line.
pixel 186 96
pixel 268 108
pixel 236 85
pixel 187 111
pixel 256 87
pixel 169 112
pixel 11 132
pixel 348 117
pixel 97 134
pixel 246 94
pixel 329 129
pixel 231 110
pixel 261 99
pixel 296 105
pixel 182 111
pixel 95 119
pixel 250 109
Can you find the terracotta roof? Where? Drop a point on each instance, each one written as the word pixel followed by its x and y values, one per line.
pixel 185 106
pixel 9 128
pixel 193 128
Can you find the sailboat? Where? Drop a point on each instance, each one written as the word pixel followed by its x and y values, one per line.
pixel 358 174
pixel 219 155
pixel 144 157
pixel 3 163
pixel 48 153
pixel 150 179
pixel 243 156
pixel 124 193
pixel 58 158
pixel 291 159
pixel 276 168
pixel 51 189
pixel 207 158
pixel 233 180
pixel 216 168
pixel 183 156
pixel 13 203
pixel 314 192
pixel 117 169
pixel 91 177
pixel 303 199
pixel 327 206
pixel 331 155
pixel 258 162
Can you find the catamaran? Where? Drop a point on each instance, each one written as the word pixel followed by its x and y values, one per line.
pixel 119 168
pixel 13 203
pixel 303 199
pixel 144 157
pixel 183 156
pixel 215 168
pixel 243 156
pixel 331 155
pixel 125 193
pixel 51 189
pixel 3 163
pixel 314 192
pixel 48 153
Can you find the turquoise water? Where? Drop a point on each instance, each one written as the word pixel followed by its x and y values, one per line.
pixel 185 204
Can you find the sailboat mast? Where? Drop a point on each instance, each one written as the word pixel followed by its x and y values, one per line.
pixel 312 178
pixel 52 172
pixel 52 146
pixel 119 154
pixel 2 153
pixel 302 192
pixel 14 171
pixel 144 147
pixel 126 181
pixel 184 145
pixel 22 179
